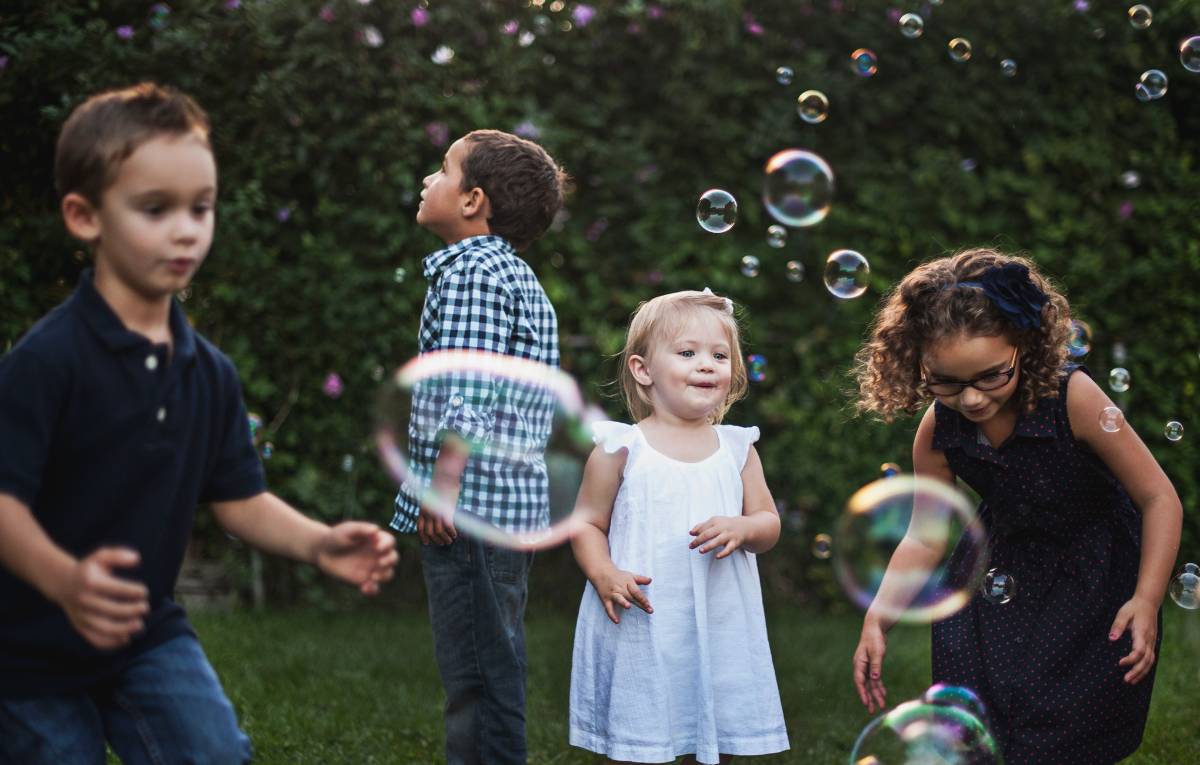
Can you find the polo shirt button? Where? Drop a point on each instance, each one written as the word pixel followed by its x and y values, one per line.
pixel 152 362
pixel 162 414
pixel 456 400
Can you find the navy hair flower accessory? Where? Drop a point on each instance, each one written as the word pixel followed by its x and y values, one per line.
pixel 1014 293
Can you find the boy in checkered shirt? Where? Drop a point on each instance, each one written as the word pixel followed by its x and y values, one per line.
pixel 492 197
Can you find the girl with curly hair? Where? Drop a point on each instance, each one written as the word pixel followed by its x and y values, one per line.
pixel 1082 518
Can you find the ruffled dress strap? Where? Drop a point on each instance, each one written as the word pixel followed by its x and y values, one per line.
pixel 738 440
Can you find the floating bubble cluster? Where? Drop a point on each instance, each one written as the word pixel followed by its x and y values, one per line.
pixel 756 367
pixel 776 236
pixel 917 733
pixel 750 266
pixel 795 271
pixel 812 106
pixel 959 49
pixel 1118 379
pixel 1185 587
pixel 912 26
pixel 716 211
pixel 847 274
pixel 1152 85
pixel 864 62
pixel 956 696
pixel 1111 419
pixel 798 188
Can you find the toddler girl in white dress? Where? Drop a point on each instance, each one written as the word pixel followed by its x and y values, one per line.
pixel 676 508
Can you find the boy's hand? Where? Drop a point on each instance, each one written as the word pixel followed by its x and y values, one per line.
pixel 868 666
pixel 1140 617
pixel 360 553
pixel 107 610
pixel 618 588
pixel 433 529
pixel 720 530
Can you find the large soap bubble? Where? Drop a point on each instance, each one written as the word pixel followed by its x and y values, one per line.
pixel 798 188
pixel 917 733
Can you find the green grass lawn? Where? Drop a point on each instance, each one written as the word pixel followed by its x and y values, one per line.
pixel 360 686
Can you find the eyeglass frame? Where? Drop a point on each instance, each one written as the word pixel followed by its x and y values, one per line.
pixel 1007 374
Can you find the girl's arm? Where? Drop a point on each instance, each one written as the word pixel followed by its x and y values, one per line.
pixel 1162 516
pixel 589 542
pixel 757 529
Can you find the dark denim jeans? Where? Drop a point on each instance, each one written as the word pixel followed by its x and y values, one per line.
pixel 477 599
pixel 166 708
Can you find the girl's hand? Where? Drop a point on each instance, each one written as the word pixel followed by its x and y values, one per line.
pixel 868 665
pixel 1141 618
pixel 618 588
pixel 727 530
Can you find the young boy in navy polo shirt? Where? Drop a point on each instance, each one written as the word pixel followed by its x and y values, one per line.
pixel 116 420
pixel 493 196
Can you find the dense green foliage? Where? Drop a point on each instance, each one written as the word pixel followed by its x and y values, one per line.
pixel 322 140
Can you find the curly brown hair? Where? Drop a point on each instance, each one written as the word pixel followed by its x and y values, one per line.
pixel 924 309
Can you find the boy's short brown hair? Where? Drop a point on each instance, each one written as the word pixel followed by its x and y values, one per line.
pixel 523 183
pixel 105 129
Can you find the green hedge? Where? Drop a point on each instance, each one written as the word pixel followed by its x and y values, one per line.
pixel 646 105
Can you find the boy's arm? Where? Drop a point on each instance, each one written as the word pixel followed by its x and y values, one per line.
pixel 358 552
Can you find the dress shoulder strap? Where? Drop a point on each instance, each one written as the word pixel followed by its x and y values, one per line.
pixel 738 439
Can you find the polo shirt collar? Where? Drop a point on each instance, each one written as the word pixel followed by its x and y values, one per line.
pixel 438 261
pixel 961 432
pixel 111 331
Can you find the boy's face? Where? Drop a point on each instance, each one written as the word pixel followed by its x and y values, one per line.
pixel 155 222
pixel 442 197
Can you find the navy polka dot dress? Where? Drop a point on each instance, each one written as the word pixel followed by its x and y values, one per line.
pixel 1066 530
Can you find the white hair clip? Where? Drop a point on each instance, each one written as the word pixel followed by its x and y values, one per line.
pixel 728 302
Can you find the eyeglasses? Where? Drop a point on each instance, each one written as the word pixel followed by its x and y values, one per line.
pixel 990 381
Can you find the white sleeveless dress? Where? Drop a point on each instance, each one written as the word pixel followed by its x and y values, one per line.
pixel 696 675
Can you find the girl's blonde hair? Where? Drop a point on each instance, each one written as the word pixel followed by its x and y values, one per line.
pixel 925 308
pixel 662 318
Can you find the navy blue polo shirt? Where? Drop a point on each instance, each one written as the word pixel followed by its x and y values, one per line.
pixel 111 440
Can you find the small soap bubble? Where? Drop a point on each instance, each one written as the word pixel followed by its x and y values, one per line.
pixel 795 271
pixel 750 266
pixel 373 38
pixel 256 424
pixel 864 62
pixel 1008 67
pixel 812 106
pixel 912 26
pixel 443 55
pixel 1079 342
pixel 776 236
pixel 1118 379
pixel 1130 179
pixel 998 587
pixel 1189 54
pixel 1140 16
pixel 798 188
pixel 1185 587
pixel 377 373
pixel 1152 85
pixel 347 463
pixel 398 275
pixel 1111 419
pixel 968 165
pixel 526 38
pixel 784 75
pixel 822 546
pixel 1173 430
pixel 959 49
pixel 756 367
pixel 888 470
pixel 268 450
pixel 717 211
pixel 542 24
pixel 1119 352
pixel 846 274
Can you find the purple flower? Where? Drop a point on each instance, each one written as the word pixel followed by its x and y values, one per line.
pixel 282 214
pixel 645 173
pixel 835 6
pixel 333 385
pixel 583 14
pixel 1083 6
pixel 233 5
pixel 894 15
pixel 160 9
pixel 1126 210
pixel 510 27
pixel 634 28
pixel 752 26
pixel 326 14
pixel 527 129
pixel 419 16
pixel 438 133
pixel 594 231
pixel 125 32
pixel 3 63
pixel 654 12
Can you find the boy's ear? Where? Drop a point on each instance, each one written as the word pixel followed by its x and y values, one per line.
pixel 639 370
pixel 476 203
pixel 80 217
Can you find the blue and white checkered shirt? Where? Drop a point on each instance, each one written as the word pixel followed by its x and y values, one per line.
pixel 482 296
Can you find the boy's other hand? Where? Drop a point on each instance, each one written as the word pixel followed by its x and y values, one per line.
pixel 106 609
pixel 433 529
pixel 360 553
pixel 618 588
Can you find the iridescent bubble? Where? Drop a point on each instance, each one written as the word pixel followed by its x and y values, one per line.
pixel 1152 85
pixel 526 38
pixel 822 546
pixel 347 463
pixel 916 510
pixel 1079 342
pixel 1140 16
pixel 959 49
pixel 268 450
pixel 256 423
pixel 1189 54
pixel 916 733
pixel 717 211
pixel 1111 419
pixel 865 62
pixel 846 274
pixel 1185 587
pixel 1130 179
pixel 784 75
pixel 1173 430
pixel 998 586
pixel 889 470
pixel 959 696
pixel 750 266
pixel 398 275
pixel 443 55
pixel 1119 352
pixel 776 236
pixel 1008 68
pixel 373 38
pixel 912 26
pixel 436 404
pixel 756 367
pixel 812 106
pixel 795 271
pixel 798 188
pixel 1118 379
pixel 968 165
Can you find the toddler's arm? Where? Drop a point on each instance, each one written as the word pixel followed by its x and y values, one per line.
pixel 756 529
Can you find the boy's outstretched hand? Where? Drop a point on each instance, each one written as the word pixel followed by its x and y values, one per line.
pixel 106 609
pixel 360 553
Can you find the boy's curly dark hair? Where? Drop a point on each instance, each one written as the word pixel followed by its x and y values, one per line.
pixel 522 182
pixel 923 309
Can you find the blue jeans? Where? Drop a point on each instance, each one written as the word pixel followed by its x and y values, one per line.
pixel 477 599
pixel 165 708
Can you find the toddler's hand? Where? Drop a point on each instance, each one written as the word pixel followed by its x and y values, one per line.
pixel 726 530
pixel 868 666
pixel 106 609
pixel 1140 617
pixel 618 588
